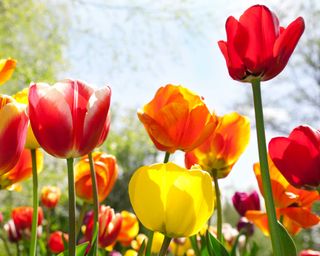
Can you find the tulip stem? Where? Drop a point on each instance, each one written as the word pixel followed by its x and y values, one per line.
pixel 263 157
pixel 95 203
pixel 6 246
pixel 80 219
pixel 72 209
pixel 149 243
pixel 33 242
pixel 165 246
pixel 219 207
pixel 194 243
pixel 166 157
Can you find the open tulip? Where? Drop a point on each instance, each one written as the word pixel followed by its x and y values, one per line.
pixel 56 243
pixel 243 202
pixel 257 47
pixel 293 205
pixel 13 130
pixel 106 169
pixel 70 118
pixel 109 226
pixel 50 196
pixel 22 217
pixel 129 228
pixel 221 150
pixel 7 66
pixel 167 198
pixel 298 156
pixel 22 170
pixel 176 118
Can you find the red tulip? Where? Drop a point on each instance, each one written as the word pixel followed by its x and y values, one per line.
pixel 298 156
pixel 257 47
pixel 13 131
pixel 70 118
pixel 243 202
pixel 109 226
pixel 55 241
pixel 309 253
pixel 22 217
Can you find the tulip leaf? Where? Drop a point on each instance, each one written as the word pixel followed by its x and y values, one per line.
pixel 142 247
pixel 287 244
pixel 215 248
pixel 80 250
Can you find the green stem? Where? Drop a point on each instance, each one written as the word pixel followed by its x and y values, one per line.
pixel 149 244
pixel 18 249
pixel 72 209
pixel 166 157
pixel 80 219
pixel 33 242
pixel 263 157
pixel 95 203
pixel 219 207
pixel 165 246
pixel 194 243
pixel 6 246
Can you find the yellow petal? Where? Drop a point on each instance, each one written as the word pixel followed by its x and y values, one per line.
pixel 7 67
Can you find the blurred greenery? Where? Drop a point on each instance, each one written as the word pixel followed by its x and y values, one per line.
pixel 33 33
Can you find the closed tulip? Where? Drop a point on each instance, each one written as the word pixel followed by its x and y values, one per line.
pixel 13 130
pixel 298 156
pixel 14 235
pixel 22 217
pixel 7 66
pixel 22 170
pixel 50 196
pixel 176 118
pixel 309 253
pixel 222 149
pixel 55 241
pixel 167 198
pixel 106 170
pixel 70 118
pixel 129 228
pixel 109 226
pixel 257 47
pixel 243 202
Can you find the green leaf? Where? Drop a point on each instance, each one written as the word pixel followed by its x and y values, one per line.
pixel 93 249
pixel 215 248
pixel 142 247
pixel 80 250
pixel 254 250
pixel 288 247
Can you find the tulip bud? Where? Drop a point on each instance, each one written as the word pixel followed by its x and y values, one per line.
pixel 56 243
pixel 50 196
pixel 243 202
pixel 245 226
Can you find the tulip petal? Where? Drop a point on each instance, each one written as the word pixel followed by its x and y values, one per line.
pixel 7 67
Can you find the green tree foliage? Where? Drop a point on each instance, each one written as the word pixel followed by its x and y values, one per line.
pixel 32 32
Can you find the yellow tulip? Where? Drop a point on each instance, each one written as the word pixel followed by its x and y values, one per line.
pixel 172 200
pixel 7 67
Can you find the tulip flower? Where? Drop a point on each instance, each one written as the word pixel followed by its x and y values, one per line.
pixel 245 226
pixel 50 196
pixel 14 235
pixel 55 241
pixel 243 202
pixel 13 130
pixel 298 156
pixel 70 118
pixel 257 47
pixel 176 118
pixel 293 206
pixel 109 226
pixel 129 228
pixel 22 217
pixel 167 198
pixel 22 170
pixel 222 149
pixel 7 66
pixel 309 253
pixel 106 170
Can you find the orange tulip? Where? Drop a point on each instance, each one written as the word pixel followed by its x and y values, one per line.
pixel 222 149
pixel 7 67
pixel 50 196
pixel 22 170
pixel 106 169
pixel 293 206
pixel 129 228
pixel 177 118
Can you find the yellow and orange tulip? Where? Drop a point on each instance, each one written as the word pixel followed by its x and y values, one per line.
pixel 222 149
pixel 167 198
pixel 50 196
pixel 176 118
pixel 7 66
pixel 293 206
pixel 106 169
pixel 129 228
pixel 22 170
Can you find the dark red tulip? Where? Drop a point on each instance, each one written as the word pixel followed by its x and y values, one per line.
pixel 298 156
pixel 243 202
pixel 257 47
